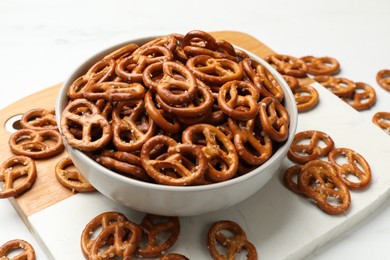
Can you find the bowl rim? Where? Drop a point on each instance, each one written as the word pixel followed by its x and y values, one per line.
pixel 83 67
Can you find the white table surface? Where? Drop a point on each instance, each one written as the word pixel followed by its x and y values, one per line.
pixel 41 42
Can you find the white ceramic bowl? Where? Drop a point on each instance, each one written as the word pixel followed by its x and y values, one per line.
pixel 173 200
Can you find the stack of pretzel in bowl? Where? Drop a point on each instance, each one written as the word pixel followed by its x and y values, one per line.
pixel 186 114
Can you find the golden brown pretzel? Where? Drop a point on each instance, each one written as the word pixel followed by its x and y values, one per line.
pixel 200 39
pixel 163 119
pixel 121 52
pixel 131 126
pixel 192 51
pixel 307 146
pixel 363 97
pixel 28 252
pixel 96 225
pixel 129 70
pixel 151 54
pixel 123 162
pixel 291 175
pixel 119 239
pixel 168 41
pixel 173 256
pixel 233 244
pixel 348 162
pixel 132 67
pixel 153 226
pixel 86 116
pixel 101 71
pixel 39 119
pixel 341 87
pixel 291 81
pixel 252 147
pixel 323 186
pixel 321 65
pixel 287 65
pixel 219 150
pixel 238 99
pixel 214 71
pixel 114 91
pixel 14 168
pixel 306 97
pixel 70 177
pixel 198 42
pixel 219 49
pixel 262 79
pixel 178 85
pixel 290 178
pixel 382 119
pixel 383 79
pixel 274 119
pixel 170 168
pixel 37 144
pixel 200 105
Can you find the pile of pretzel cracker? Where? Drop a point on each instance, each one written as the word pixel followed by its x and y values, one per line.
pixel 177 110
pixel 322 172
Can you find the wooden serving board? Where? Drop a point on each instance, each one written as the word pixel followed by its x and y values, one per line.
pixel 279 223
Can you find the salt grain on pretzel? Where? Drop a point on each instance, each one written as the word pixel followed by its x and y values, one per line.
pixel 155 227
pixel 18 174
pixel 85 115
pixel 95 226
pixel 170 168
pixel 306 97
pixel 323 186
pixel 99 72
pixel 119 239
pixel 214 71
pixel 219 150
pixel 252 147
pixel 349 163
pixel 39 119
pixel 309 145
pixel 238 99
pixel 263 80
pixel 200 105
pixel 37 144
pixel 274 119
pixel 71 178
pixel 131 131
pixel 132 67
pixel 234 243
